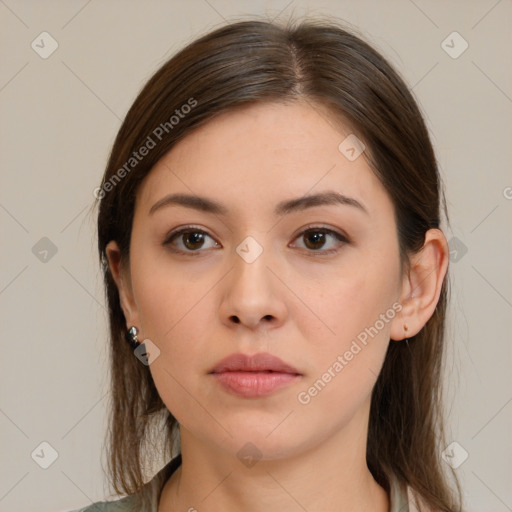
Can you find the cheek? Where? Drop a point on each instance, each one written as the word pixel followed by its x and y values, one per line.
pixel 174 312
pixel 356 309
pixel 345 365
pixel 167 296
pixel 350 303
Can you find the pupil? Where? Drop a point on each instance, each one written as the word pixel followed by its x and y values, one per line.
pixel 195 239
pixel 318 239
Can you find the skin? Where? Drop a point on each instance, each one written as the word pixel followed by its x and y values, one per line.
pixel 292 301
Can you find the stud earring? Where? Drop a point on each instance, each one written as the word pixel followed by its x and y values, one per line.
pixel 132 337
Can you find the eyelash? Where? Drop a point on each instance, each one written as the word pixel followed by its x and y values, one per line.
pixel 309 229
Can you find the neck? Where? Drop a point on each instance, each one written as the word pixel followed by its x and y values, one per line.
pixel 330 477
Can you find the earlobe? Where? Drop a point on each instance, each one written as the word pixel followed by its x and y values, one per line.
pixel 122 279
pixel 421 286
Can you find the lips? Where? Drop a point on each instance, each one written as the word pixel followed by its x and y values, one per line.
pixel 253 376
pixel 261 362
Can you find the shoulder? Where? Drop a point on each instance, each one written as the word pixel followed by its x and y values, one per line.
pixel 405 499
pixel 144 500
pixel 121 505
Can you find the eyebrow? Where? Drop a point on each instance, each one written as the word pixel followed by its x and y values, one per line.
pixel 204 204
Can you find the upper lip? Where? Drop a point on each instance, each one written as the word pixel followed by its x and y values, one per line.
pixel 253 363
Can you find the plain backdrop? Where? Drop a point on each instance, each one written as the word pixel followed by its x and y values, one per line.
pixel 59 115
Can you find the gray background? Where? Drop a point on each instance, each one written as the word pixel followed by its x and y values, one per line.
pixel 59 117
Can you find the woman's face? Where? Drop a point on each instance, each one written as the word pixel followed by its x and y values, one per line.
pixel 315 284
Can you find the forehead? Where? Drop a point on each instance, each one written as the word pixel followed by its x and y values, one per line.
pixel 263 153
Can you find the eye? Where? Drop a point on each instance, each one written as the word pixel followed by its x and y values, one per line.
pixel 190 240
pixel 315 239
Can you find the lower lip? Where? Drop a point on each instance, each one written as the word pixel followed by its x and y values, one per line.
pixel 254 384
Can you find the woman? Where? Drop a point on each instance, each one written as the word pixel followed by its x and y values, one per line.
pixel 269 231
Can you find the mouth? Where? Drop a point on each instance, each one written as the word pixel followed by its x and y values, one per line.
pixel 254 376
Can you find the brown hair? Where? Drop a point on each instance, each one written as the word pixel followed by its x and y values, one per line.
pixel 327 65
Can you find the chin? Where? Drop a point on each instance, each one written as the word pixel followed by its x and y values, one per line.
pixel 264 441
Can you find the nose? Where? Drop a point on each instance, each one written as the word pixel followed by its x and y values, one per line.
pixel 253 296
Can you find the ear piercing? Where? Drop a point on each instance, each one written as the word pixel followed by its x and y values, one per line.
pixel 405 331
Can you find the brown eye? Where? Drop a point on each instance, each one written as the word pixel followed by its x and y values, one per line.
pixel 189 241
pixel 193 240
pixel 315 240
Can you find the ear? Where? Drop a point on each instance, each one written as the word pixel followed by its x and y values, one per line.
pixel 121 276
pixel 421 286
